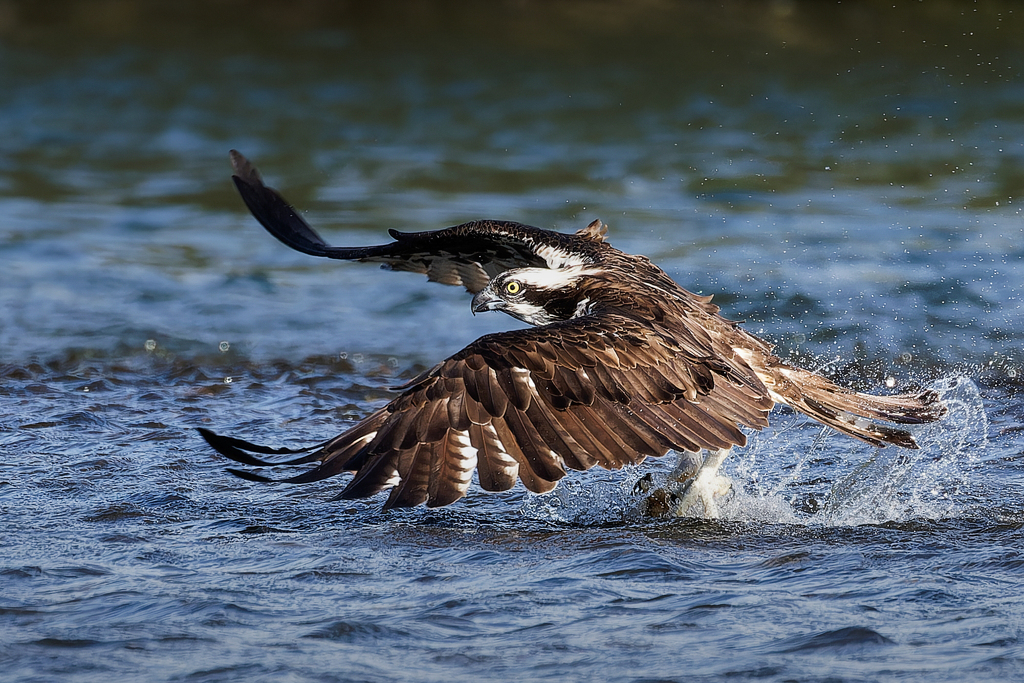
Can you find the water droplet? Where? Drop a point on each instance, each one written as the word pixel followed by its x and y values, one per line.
pixel 906 357
pixel 343 355
pixel 890 381
pixel 227 380
pixel 224 346
pixel 150 345
pixel 393 362
pixel 357 358
pixel 1011 372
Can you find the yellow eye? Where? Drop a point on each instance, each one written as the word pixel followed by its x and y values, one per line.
pixel 513 287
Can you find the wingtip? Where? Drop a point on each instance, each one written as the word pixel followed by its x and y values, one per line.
pixel 244 169
pixel 223 445
pixel 936 408
pixel 901 438
pixel 209 436
pixel 249 476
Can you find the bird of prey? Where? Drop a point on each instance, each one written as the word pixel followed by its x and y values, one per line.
pixel 621 364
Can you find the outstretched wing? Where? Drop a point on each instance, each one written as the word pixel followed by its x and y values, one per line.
pixel 530 404
pixel 468 254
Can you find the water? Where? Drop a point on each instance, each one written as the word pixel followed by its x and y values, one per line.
pixel 843 178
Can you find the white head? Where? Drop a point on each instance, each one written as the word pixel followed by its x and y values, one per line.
pixel 537 296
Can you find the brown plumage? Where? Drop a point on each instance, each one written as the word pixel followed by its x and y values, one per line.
pixel 622 364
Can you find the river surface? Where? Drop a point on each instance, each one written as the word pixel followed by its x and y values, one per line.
pixel 845 178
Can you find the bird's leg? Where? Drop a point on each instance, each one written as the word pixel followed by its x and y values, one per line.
pixel 704 486
pixel 662 501
pixel 693 481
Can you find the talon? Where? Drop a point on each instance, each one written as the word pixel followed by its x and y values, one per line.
pixel 643 484
pixel 660 503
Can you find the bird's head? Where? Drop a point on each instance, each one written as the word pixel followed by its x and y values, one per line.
pixel 537 296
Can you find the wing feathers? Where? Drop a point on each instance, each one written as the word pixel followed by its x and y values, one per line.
pixel 494 398
pixel 431 424
pixel 453 460
pixel 412 489
pixel 528 409
pixel 542 460
pixel 626 430
pixel 496 468
pixel 517 385
pixel 558 439
pixel 592 434
pixel 469 254
pixel 272 211
pixel 239 451
pixel 458 416
pixel 533 482
pixel 609 385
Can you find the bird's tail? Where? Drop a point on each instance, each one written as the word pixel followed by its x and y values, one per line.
pixel 859 415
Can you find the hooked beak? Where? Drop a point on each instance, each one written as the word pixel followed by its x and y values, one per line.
pixel 484 300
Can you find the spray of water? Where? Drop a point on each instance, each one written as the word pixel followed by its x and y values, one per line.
pixel 898 484
pixel 797 472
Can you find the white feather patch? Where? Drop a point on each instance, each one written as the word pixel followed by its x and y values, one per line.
pixel 559 258
pixel 552 278
pixel 528 313
pixel 465 448
pixel 496 445
pixel 365 439
pixel 523 375
pixel 582 308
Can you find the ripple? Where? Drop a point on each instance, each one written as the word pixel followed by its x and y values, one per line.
pixel 330 576
pixel 66 642
pixel 851 638
pixel 356 632
pixel 22 572
pixel 630 563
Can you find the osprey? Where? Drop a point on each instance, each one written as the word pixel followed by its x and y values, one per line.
pixel 621 364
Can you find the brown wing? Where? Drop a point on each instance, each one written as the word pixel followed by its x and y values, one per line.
pixel 531 404
pixel 467 255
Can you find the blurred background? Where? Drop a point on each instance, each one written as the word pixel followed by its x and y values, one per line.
pixel 846 178
pixel 843 175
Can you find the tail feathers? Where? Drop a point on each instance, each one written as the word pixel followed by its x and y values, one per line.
pixel 854 413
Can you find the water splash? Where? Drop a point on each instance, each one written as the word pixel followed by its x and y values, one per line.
pixel 599 497
pixel 830 480
pixel 930 483
pixel 798 472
